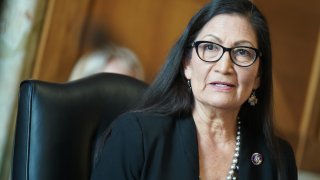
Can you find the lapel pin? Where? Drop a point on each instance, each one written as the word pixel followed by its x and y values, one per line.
pixel 256 159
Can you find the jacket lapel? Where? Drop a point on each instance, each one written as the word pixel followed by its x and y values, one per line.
pixel 189 143
pixel 251 144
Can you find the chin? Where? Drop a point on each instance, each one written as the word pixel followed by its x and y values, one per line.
pixel 223 103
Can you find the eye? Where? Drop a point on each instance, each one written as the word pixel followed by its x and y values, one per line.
pixel 210 47
pixel 244 52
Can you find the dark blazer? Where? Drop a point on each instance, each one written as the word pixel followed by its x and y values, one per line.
pixel 157 147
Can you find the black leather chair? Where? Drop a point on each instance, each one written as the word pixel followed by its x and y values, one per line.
pixel 57 124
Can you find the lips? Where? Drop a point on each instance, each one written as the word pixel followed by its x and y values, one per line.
pixel 222 84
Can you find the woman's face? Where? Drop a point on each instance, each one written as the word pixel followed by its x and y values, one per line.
pixel 222 84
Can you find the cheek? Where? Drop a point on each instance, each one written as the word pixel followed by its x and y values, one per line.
pixel 199 78
pixel 248 78
pixel 199 70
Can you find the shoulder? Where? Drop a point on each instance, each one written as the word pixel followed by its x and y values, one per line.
pixel 143 121
pixel 287 157
pixel 285 148
pixel 144 118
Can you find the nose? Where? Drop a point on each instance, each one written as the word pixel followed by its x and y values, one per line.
pixel 224 65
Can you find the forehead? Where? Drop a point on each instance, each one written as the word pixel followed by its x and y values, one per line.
pixel 230 29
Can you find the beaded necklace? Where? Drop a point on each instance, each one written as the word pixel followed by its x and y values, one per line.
pixel 233 172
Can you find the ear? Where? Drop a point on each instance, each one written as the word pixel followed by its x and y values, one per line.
pixel 187 69
pixel 257 82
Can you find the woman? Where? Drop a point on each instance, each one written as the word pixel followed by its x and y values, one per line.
pixel 208 115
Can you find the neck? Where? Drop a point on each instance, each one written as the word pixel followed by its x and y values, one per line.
pixel 218 143
pixel 220 126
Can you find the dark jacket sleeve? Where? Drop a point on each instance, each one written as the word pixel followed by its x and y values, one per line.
pixel 122 154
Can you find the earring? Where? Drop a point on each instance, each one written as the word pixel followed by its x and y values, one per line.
pixel 253 100
pixel 189 83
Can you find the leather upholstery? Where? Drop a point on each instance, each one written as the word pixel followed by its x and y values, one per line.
pixel 57 124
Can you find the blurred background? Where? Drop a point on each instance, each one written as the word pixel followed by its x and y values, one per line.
pixel 43 39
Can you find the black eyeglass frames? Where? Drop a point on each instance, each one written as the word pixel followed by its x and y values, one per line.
pixel 243 56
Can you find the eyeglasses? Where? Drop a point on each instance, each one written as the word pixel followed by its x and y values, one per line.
pixel 212 52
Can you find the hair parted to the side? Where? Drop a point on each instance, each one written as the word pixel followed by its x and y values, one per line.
pixel 169 94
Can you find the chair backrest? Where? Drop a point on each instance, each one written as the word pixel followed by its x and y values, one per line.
pixel 57 123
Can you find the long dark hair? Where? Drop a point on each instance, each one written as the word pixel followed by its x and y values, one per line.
pixel 169 93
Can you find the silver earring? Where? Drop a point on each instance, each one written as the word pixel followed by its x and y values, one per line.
pixel 253 100
pixel 189 83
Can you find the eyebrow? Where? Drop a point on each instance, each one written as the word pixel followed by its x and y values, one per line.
pixel 243 43
pixel 238 43
pixel 213 36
